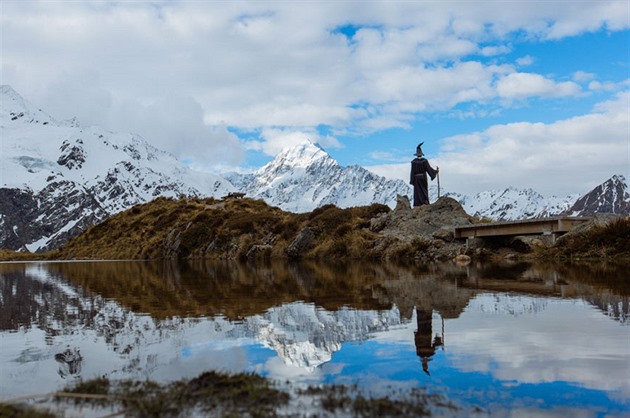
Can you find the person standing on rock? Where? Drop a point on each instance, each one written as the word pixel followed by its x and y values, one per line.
pixel 420 167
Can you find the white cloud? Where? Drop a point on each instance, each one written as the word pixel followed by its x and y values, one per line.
pixel 176 124
pixel 562 157
pixel 525 61
pixel 78 94
pixel 490 51
pixel 616 106
pixel 398 171
pixel 386 156
pixel 523 85
pixel 612 14
pixel 276 65
pixel 559 158
pixel 603 86
pixel 582 76
pixel 275 139
pixel 544 348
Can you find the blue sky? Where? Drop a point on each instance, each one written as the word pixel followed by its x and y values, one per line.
pixel 503 93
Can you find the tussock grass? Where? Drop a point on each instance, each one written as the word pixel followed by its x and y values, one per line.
pixel 603 242
pixel 249 395
pixel 10 255
pixel 21 411
pixel 223 229
pixel 216 394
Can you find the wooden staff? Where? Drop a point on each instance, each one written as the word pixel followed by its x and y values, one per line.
pixel 438 178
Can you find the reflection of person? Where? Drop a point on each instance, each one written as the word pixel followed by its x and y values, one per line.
pixel 419 169
pixel 425 346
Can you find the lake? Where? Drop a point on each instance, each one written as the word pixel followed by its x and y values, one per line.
pixel 511 339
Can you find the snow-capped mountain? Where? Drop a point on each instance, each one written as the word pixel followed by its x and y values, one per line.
pixel 612 196
pixel 304 177
pixel 58 178
pixel 512 204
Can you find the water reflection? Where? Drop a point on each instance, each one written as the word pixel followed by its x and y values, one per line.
pixel 498 327
pixel 69 362
pixel 235 290
pixel 424 340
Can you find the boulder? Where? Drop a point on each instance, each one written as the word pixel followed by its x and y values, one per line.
pixel 424 221
pixel 304 241
pixel 171 243
pixel 444 234
pixel 260 250
pixel 402 204
pixel 462 260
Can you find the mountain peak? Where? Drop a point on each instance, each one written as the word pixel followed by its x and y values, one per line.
pixel 303 177
pixel 302 154
pixel 612 196
pixel 13 107
pixel 8 92
pixel 618 178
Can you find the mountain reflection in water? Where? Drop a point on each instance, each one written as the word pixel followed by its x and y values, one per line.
pixel 517 329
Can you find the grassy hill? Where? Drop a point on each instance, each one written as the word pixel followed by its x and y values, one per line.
pixel 231 228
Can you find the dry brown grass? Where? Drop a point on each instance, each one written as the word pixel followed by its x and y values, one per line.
pixel 210 228
pixel 10 255
pixel 601 242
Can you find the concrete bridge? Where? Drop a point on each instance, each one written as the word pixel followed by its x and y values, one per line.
pixel 550 227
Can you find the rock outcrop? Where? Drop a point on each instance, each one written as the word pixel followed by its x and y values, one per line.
pixel 424 233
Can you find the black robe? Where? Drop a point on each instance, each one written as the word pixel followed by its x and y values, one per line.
pixel 419 169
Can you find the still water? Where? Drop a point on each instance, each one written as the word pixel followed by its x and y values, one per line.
pixel 511 340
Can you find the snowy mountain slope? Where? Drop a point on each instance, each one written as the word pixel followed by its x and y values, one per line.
pixel 612 196
pixel 57 178
pixel 511 204
pixel 304 177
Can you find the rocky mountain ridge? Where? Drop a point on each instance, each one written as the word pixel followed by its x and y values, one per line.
pixel 512 204
pixel 304 177
pixel 612 196
pixel 58 178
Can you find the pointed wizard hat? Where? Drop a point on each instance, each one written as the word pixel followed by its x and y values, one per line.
pixel 419 152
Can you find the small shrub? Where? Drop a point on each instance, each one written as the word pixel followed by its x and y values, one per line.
pixel 287 227
pixel 330 217
pixel 408 251
pixel 318 211
pixel 247 222
pixel 609 240
pixel 372 211
pixel 342 230
pixel 338 249
pixel 97 386
pixel 7 410
pixel 195 237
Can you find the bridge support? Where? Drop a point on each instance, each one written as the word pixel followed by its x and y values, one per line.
pixel 474 242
